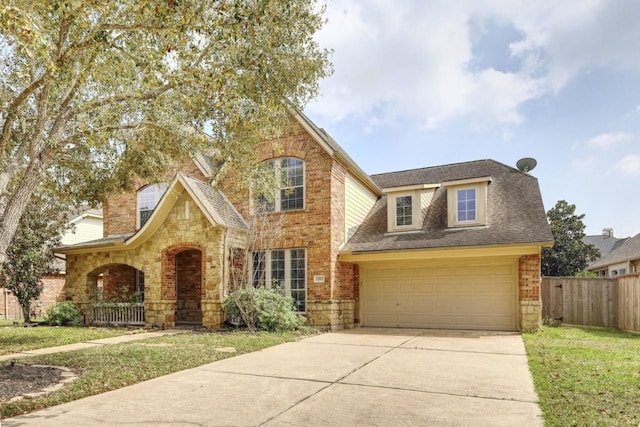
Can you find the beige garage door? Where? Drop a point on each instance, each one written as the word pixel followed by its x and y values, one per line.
pixel 466 294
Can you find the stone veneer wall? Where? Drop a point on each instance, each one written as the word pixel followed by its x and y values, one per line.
pixel 319 227
pixel 178 232
pixel 529 280
pixel 120 210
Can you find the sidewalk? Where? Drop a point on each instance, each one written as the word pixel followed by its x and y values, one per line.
pixel 89 344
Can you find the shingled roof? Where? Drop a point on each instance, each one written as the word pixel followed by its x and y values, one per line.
pixel 515 212
pixel 215 203
pixel 604 243
pixel 627 251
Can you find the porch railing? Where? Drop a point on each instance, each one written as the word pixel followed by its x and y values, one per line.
pixel 118 313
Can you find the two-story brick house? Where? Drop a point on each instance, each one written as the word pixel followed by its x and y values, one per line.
pixel 343 254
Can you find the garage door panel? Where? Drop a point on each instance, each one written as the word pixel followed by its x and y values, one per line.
pixel 476 294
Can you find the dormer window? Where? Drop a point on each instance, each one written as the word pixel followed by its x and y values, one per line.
pixel 290 192
pixel 148 198
pixel 467 202
pixel 404 211
pixel 407 205
pixel 466 206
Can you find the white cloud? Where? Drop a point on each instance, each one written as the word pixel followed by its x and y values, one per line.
pixel 412 59
pixel 629 165
pixel 608 140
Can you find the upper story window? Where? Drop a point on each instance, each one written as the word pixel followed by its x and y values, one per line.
pixel 466 206
pixel 407 205
pixel 289 194
pixel 404 211
pixel 148 198
pixel 467 202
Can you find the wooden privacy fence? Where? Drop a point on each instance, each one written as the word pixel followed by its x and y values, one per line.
pixel 613 303
pixel 117 313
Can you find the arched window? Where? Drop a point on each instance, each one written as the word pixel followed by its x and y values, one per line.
pixel 290 192
pixel 148 198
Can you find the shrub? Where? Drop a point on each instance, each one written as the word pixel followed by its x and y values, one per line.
pixel 63 314
pixel 263 308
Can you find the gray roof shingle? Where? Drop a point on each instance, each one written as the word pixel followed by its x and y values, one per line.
pixel 515 212
pixel 628 250
pixel 215 203
pixel 605 244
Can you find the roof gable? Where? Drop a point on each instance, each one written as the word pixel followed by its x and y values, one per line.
pixel 211 202
pixel 627 251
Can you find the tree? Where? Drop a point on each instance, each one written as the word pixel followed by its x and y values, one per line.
pixel 246 280
pixel 30 255
pixel 93 91
pixel 569 253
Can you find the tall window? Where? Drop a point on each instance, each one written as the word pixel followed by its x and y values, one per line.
pixel 285 270
pixel 148 198
pixel 139 286
pixel 467 205
pixel 290 192
pixel 404 209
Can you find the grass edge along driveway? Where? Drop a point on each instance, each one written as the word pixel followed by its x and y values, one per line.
pixel 18 339
pixel 586 376
pixel 115 366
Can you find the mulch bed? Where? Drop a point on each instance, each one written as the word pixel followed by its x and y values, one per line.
pixel 19 379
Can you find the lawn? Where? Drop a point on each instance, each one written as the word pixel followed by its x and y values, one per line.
pixel 17 339
pixel 586 377
pixel 114 366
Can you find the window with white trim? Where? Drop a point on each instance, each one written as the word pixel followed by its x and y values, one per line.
pixel 284 270
pixel 148 198
pixel 290 192
pixel 467 202
pixel 466 205
pixel 404 211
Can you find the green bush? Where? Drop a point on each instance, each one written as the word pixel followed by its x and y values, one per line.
pixel 63 314
pixel 262 308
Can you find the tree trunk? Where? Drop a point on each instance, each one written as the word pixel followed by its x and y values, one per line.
pixel 26 313
pixel 16 205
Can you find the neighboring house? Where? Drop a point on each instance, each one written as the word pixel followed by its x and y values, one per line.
pixel 605 242
pixel 458 246
pixel 624 258
pixel 87 225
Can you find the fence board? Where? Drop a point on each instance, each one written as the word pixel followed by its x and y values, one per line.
pixel 593 302
pixel 581 301
pixel 629 302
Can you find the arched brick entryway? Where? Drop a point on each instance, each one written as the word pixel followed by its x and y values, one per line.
pixel 183 271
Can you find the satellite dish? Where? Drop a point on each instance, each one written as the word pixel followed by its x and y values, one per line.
pixel 527 164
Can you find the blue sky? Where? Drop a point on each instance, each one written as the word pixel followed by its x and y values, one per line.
pixel 421 83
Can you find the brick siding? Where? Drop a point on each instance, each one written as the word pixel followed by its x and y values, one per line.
pixel 529 280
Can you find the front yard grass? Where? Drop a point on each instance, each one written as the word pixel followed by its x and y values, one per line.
pixel 114 366
pixel 17 339
pixel 586 377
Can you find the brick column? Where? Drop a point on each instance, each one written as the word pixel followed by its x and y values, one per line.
pixel 529 293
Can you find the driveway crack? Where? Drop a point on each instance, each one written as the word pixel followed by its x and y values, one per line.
pixel 338 381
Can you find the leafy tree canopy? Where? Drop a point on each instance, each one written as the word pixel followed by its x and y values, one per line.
pixel 94 91
pixel 569 254
pixel 30 255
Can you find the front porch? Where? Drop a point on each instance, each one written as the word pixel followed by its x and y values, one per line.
pixel 174 265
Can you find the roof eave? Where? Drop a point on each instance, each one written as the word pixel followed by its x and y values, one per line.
pixel 471 250
pixel 351 166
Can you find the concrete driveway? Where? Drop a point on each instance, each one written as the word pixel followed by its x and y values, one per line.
pixel 367 377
